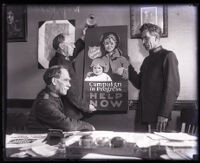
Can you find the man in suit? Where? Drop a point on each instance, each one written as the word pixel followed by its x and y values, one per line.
pixel 158 81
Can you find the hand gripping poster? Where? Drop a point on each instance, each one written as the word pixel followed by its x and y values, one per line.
pixel 106 68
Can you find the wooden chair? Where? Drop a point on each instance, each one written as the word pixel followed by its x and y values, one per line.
pixel 189 120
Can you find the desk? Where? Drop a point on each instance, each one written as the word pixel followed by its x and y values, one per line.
pixel 137 146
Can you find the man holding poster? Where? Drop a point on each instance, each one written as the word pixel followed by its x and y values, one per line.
pixel 158 82
pixel 66 52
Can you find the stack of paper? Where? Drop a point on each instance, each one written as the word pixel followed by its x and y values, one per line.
pixel 177 139
pixel 176 136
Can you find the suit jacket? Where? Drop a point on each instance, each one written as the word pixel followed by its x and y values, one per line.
pixel 159 84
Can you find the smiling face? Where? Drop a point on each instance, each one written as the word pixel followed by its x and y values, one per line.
pixel 63 83
pixel 149 40
pixel 109 44
pixel 97 69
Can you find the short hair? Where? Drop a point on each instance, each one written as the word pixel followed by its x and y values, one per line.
pixel 52 72
pixel 152 28
pixel 57 40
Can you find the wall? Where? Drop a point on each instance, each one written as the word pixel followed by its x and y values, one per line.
pixel 24 77
pixel 23 73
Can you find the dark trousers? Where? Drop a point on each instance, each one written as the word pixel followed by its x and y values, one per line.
pixel 141 126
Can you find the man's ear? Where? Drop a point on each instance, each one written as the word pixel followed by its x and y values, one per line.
pixel 54 81
pixel 61 45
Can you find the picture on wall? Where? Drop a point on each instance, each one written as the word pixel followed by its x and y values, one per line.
pixel 16 23
pixel 106 68
pixel 155 14
pixel 149 15
pixel 48 30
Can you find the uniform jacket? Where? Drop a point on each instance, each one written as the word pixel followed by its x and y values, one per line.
pixel 47 112
pixel 74 105
pixel 159 84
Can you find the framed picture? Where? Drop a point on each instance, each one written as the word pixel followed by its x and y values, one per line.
pixel 155 14
pixel 16 23
pixel 48 30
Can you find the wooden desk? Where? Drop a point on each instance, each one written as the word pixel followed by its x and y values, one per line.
pixel 129 149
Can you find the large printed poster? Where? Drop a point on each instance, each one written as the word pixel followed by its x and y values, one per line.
pixel 105 68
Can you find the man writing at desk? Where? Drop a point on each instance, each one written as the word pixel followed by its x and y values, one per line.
pixel 158 81
pixel 47 111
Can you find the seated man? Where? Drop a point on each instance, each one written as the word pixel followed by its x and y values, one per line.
pixel 47 111
pixel 66 52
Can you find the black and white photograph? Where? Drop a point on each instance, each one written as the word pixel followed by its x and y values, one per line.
pixel 16 23
pixel 100 82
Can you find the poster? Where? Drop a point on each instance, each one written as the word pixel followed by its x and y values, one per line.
pixel 105 64
pixel 48 30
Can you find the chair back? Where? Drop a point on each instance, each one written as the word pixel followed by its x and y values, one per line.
pixel 189 120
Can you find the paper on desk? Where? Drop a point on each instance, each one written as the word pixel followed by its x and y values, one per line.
pixel 23 140
pixel 144 141
pixel 155 136
pixel 176 136
pixel 72 139
pixel 165 157
pixel 45 150
pixel 102 156
pixel 129 136
pixel 178 143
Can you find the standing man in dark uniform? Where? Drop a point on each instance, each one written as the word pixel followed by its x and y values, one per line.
pixel 47 111
pixel 66 52
pixel 158 81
